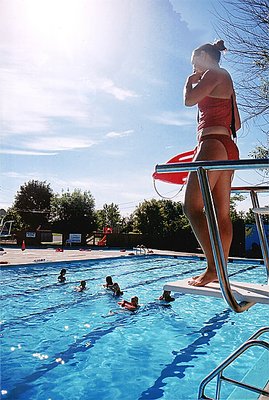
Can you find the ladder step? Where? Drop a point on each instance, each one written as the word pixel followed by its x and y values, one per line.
pixel 242 291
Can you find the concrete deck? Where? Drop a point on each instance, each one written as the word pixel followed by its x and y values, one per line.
pixel 15 256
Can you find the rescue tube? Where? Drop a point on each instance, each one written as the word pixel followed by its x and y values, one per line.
pixel 178 178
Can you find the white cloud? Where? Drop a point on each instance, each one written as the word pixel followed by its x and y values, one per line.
pixel 114 134
pixel 13 174
pixel 48 143
pixel 175 118
pixel 25 152
pixel 109 87
pixel 31 99
pixel 34 98
pixel 105 85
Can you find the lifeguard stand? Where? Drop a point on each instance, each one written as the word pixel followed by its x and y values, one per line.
pixel 239 296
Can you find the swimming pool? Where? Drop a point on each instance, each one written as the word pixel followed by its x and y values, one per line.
pixel 59 344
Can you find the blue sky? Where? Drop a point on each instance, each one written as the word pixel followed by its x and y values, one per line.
pixel 91 94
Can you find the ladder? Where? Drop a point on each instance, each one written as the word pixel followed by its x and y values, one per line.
pixel 219 371
pixel 237 303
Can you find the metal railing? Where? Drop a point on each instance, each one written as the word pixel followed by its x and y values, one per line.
pixel 218 372
pixel 221 266
pixel 253 191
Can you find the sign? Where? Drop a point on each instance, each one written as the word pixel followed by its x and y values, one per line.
pixel 74 238
pixel 252 236
pixel 30 234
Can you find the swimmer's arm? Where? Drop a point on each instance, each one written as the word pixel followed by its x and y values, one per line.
pixel 205 84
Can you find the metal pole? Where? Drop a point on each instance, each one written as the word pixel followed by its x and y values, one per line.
pixel 216 244
pixel 261 231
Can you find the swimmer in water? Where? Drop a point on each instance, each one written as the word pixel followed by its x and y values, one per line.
pixel 116 289
pixel 130 305
pixel 109 282
pixel 81 287
pixel 61 277
pixel 166 296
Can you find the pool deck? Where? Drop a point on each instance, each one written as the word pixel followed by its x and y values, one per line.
pixel 15 256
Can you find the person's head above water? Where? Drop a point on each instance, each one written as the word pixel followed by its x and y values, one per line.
pixel 134 300
pixel 207 55
pixel 109 280
pixel 63 271
pixel 83 284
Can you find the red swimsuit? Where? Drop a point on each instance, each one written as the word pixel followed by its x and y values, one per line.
pixel 217 112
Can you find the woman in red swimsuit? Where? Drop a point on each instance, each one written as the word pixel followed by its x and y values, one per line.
pixel 211 88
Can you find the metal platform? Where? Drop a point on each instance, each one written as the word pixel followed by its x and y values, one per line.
pixel 242 291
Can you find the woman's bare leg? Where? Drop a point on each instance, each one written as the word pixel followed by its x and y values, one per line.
pixel 220 184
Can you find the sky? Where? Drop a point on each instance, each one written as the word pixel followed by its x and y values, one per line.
pixel 91 95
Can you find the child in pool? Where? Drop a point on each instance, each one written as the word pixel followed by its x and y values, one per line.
pixel 166 296
pixel 109 283
pixel 130 305
pixel 116 289
pixel 61 277
pixel 81 287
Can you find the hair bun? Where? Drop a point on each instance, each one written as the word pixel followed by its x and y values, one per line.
pixel 219 44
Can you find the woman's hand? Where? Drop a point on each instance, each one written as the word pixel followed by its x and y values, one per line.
pixel 194 78
pixel 204 83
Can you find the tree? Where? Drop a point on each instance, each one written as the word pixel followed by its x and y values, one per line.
pixel 161 217
pixel 245 27
pixel 235 215
pixel 73 212
pixel 109 216
pixel 2 213
pixel 127 224
pixel 148 217
pixel 261 152
pixel 17 221
pixel 164 225
pixel 174 218
pixel 32 203
pixel 249 217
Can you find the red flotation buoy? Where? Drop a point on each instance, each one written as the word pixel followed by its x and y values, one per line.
pixel 178 178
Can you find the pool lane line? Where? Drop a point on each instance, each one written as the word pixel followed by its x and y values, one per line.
pixel 37 275
pixel 95 295
pixel 178 367
pixel 88 279
pixel 242 270
pixel 37 290
pixel 91 262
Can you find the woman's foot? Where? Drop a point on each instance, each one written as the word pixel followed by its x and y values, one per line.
pixel 204 279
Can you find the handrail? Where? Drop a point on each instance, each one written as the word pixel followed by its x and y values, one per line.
pixel 221 266
pixel 218 371
pixel 248 189
pixel 258 219
pixel 259 332
pixel 218 165
pixel 260 229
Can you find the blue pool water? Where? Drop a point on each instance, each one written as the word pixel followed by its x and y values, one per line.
pixel 61 344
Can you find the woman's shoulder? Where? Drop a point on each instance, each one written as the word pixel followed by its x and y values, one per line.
pixel 223 82
pixel 225 73
pixel 217 73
